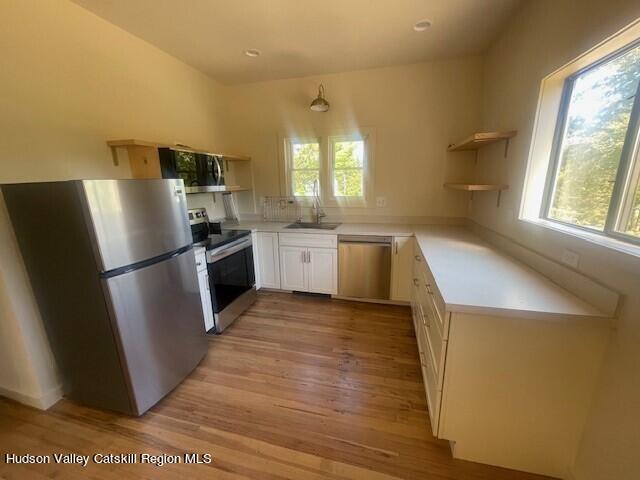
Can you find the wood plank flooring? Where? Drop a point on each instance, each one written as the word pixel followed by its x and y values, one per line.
pixel 297 388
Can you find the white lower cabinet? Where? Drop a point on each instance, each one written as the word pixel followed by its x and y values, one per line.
pixel 402 269
pixel 266 260
pixel 507 391
pixel 309 269
pixel 205 293
pixel 205 297
pixel 322 270
pixel 293 274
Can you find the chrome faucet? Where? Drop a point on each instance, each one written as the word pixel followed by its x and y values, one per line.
pixel 318 213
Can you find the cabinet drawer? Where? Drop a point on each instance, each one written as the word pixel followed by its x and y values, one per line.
pixel 433 339
pixel 308 240
pixel 432 287
pixel 433 392
pixel 429 298
pixel 421 335
pixel 431 316
pixel 426 297
pixel 437 349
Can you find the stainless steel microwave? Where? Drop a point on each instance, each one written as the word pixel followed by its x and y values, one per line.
pixel 201 172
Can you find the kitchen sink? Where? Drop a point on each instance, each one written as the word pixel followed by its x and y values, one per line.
pixel 312 225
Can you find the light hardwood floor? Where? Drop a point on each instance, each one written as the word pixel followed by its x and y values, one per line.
pixel 297 388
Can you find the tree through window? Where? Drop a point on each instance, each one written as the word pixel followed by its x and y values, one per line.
pixel 348 168
pixel 305 167
pixel 594 181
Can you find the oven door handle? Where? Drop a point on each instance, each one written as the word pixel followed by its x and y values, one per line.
pixel 227 250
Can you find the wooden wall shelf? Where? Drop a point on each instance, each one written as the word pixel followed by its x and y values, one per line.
pixel 478 187
pixel 131 142
pixel 478 140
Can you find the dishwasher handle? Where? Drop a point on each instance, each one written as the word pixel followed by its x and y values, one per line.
pixel 365 239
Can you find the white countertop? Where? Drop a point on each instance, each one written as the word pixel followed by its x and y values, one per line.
pixel 475 277
pixel 396 230
pixel 471 275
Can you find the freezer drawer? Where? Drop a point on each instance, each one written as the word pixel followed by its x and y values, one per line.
pixel 364 267
pixel 159 326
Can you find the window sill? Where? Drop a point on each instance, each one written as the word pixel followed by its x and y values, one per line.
pixel 601 240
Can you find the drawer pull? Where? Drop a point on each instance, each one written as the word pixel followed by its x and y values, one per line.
pixel 416 282
pixel 428 287
pixel 418 258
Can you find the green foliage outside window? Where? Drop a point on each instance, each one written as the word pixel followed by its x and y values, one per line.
pixel 305 168
pixel 348 168
pixel 597 122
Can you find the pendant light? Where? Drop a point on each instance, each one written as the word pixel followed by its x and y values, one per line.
pixel 320 104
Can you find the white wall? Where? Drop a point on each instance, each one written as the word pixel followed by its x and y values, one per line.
pixel 69 81
pixel 542 36
pixel 415 111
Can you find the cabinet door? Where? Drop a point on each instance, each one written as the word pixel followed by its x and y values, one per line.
pixel 267 261
pixel 292 268
pixel 402 269
pixel 322 270
pixel 205 297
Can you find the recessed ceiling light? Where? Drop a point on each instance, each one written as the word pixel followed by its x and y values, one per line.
pixel 422 25
pixel 252 52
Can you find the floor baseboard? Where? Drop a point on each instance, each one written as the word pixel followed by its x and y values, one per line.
pixel 41 403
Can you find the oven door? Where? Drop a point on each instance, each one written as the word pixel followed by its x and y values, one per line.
pixel 231 272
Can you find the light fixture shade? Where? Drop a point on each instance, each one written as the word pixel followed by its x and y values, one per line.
pixel 320 104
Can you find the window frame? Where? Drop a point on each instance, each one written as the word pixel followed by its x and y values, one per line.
pixel 288 161
pixel 323 138
pixel 629 156
pixel 332 198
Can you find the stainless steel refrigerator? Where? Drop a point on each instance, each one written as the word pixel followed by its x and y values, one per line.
pixel 112 267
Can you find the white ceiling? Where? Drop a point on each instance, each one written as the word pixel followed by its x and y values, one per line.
pixel 303 37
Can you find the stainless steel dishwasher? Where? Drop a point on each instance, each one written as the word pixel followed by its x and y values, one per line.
pixel 364 266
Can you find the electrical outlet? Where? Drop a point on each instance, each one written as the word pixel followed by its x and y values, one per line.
pixel 570 258
pixel 381 202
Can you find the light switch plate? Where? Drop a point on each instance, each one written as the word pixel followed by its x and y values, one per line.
pixel 570 258
pixel 381 202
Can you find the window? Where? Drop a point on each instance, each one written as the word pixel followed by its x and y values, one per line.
pixel 339 164
pixel 594 172
pixel 304 167
pixel 347 167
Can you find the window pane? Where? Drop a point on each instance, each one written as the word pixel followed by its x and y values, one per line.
pixel 302 182
pixel 597 122
pixel 348 154
pixel 348 168
pixel 632 226
pixel 348 183
pixel 306 155
pixel 630 211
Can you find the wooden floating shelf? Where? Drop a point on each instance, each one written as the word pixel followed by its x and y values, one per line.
pixel 476 187
pixel 478 140
pixel 143 143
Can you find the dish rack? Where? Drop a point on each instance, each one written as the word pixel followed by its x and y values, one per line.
pixel 281 209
